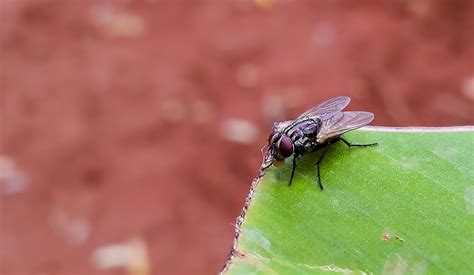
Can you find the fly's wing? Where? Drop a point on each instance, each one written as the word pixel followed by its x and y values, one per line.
pixel 327 108
pixel 341 123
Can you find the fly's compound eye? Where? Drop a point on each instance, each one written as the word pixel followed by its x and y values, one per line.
pixel 285 146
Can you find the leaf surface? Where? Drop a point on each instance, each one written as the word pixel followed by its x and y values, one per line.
pixel 404 206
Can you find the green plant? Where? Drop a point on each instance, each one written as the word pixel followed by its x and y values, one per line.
pixel 404 206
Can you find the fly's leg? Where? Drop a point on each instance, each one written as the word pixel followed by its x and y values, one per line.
pixel 318 164
pixel 357 144
pixel 293 170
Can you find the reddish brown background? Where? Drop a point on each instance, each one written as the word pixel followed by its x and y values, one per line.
pixel 113 111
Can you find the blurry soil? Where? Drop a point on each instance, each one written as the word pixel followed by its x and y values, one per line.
pixel 143 120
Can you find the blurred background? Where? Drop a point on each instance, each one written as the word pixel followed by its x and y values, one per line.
pixel 131 130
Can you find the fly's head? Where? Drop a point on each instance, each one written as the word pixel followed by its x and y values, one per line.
pixel 280 146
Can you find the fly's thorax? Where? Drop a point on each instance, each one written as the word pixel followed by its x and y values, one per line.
pixel 303 134
pixel 308 127
pixel 304 145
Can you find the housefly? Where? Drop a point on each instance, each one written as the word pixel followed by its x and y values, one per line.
pixel 315 129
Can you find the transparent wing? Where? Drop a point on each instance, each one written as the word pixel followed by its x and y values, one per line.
pixel 341 123
pixel 328 107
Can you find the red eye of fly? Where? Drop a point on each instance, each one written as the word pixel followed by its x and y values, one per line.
pixel 285 146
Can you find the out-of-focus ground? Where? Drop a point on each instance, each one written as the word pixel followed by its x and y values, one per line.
pixel 131 130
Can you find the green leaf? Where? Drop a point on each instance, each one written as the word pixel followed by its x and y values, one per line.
pixel 404 206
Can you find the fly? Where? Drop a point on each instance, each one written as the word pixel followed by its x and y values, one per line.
pixel 315 129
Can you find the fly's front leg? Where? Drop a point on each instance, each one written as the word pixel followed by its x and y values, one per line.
pixel 357 144
pixel 295 158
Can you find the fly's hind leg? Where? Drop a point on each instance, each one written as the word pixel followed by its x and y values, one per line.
pixel 350 145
